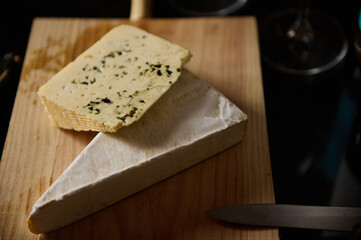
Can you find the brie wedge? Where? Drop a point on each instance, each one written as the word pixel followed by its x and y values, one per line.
pixel 190 123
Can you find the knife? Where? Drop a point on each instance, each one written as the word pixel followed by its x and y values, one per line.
pixel 294 216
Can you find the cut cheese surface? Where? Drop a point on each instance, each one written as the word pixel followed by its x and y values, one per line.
pixel 114 82
pixel 190 123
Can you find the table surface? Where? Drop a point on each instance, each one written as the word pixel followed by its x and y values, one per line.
pixel 226 55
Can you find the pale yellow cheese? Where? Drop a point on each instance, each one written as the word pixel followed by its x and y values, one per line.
pixel 114 82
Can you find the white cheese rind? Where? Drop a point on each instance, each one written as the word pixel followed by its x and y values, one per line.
pixel 190 123
pixel 114 82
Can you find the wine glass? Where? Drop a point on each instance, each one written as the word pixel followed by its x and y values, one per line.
pixel 301 41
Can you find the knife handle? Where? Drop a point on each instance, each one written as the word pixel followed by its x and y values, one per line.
pixel 140 9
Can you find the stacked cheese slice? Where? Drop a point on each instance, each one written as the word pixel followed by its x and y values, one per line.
pixel 114 82
pixel 190 123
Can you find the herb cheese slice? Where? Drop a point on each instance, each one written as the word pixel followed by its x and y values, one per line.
pixel 114 82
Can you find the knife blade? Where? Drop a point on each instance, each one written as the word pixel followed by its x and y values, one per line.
pixel 294 216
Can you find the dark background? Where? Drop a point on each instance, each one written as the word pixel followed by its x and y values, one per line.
pixel 313 123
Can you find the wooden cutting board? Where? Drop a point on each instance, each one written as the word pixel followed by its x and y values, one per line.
pixel 226 55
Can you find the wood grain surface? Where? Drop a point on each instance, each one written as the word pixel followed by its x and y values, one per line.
pixel 226 55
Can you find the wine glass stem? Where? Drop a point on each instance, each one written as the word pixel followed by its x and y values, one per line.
pixel 303 10
pixel 300 34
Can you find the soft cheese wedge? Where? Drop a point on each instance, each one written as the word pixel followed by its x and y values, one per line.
pixel 190 123
pixel 114 82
